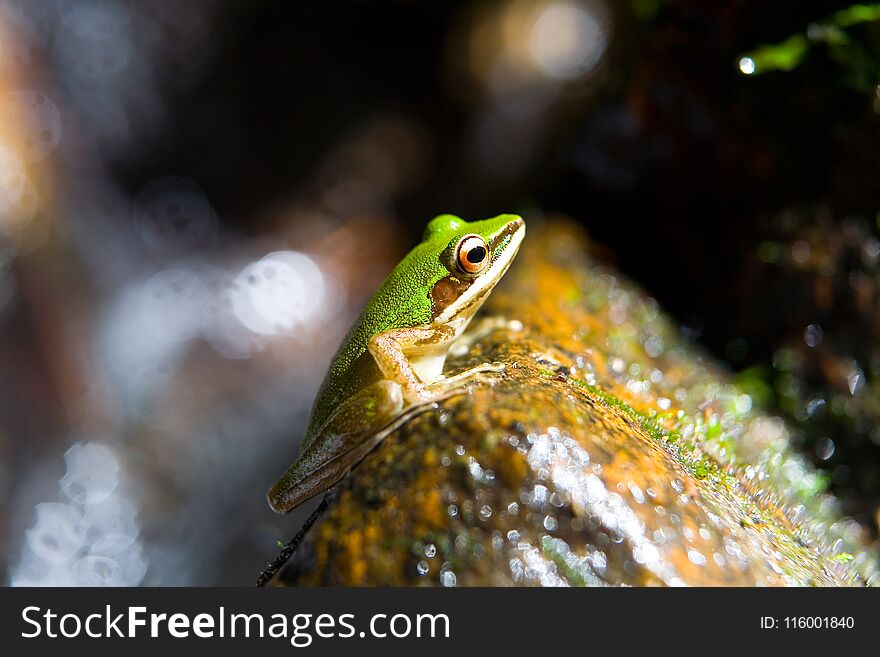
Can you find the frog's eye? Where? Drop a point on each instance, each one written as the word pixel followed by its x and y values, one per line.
pixel 472 254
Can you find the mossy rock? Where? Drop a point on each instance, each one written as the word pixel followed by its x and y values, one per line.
pixel 609 452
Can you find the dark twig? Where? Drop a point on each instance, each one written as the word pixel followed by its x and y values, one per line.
pixel 288 550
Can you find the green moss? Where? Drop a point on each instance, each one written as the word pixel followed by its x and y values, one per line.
pixel 701 469
pixel 687 454
pixel 550 549
pixel 643 421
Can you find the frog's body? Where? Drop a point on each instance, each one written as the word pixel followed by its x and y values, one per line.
pixel 393 356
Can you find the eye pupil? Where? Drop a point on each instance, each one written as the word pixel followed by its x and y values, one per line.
pixel 476 255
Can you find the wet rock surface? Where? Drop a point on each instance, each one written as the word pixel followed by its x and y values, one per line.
pixel 608 453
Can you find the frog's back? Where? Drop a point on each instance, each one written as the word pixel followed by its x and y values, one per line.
pixel 402 301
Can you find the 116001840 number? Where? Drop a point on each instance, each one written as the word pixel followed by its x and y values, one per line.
pixel 818 622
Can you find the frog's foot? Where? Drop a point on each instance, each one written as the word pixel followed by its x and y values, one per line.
pixel 478 374
pixel 457 384
pixel 347 436
pixel 483 328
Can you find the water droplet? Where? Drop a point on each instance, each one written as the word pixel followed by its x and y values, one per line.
pixel 825 448
pixel 747 66
pixel 654 346
pixel 696 557
pixel 743 404
pixel 815 406
pixel 855 381
pixel 813 335
pixel 448 578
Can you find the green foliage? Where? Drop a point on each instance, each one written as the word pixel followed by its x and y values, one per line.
pixel 856 14
pixel 783 56
pixel 857 56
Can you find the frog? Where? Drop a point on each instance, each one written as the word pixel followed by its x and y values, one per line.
pixel 391 362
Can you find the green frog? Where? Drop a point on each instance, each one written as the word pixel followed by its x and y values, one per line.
pixel 392 359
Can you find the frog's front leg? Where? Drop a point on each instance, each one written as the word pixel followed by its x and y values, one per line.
pixel 348 435
pixel 414 358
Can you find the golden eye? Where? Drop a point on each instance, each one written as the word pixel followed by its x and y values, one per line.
pixel 472 254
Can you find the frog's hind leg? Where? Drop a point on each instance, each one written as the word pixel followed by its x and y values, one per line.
pixel 347 436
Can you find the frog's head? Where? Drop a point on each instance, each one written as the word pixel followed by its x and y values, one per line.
pixel 476 255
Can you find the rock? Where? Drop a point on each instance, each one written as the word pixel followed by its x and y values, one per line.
pixel 610 452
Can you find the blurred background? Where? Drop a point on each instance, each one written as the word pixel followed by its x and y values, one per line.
pixel 196 198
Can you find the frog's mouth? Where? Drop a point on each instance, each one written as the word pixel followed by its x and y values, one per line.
pixel 503 247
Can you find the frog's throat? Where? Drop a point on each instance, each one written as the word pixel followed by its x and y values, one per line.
pixel 470 301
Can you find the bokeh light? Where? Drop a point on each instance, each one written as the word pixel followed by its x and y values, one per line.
pixel 39 121
pixel 569 39
pixel 92 40
pixel 279 293
pixel 14 186
pixel 92 539
pixel 173 216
